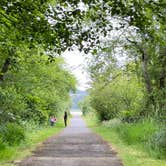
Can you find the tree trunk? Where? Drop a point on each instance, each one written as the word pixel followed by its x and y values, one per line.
pixel 162 81
pixel 145 72
pixel 5 68
pixel 162 61
pixel 144 62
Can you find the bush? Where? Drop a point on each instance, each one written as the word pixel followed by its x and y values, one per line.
pixel 133 133
pixel 113 123
pixel 140 132
pixel 144 133
pixel 157 143
pixel 2 144
pixel 11 104
pixel 12 134
pixel 121 98
pixel 30 125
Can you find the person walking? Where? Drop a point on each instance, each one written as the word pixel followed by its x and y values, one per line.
pixel 65 118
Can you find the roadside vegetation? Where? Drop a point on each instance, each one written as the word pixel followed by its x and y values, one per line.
pixel 129 116
pixel 34 80
pixel 14 151
pixel 134 145
pixel 128 83
pixel 28 97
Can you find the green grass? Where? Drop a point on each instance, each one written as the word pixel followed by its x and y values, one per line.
pixel 33 139
pixel 131 155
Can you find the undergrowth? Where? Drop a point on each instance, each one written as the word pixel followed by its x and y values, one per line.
pixel 33 135
pixel 147 134
pixel 141 143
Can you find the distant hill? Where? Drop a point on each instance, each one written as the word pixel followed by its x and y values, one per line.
pixel 76 98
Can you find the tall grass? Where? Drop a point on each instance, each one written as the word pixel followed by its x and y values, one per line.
pixel 138 144
pixel 145 133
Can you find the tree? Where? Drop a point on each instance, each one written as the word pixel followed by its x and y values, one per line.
pixel 55 27
pixel 36 89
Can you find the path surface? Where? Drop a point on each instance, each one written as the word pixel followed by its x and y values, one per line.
pixel 76 145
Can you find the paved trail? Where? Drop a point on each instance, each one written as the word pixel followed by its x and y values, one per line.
pixel 76 145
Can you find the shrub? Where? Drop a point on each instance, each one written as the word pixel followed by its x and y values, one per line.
pixel 13 134
pixel 145 133
pixel 140 132
pixel 2 144
pixel 157 143
pixel 121 98
pixel 113 123
pixel 133 133
pixel 30 125
pixel 11 104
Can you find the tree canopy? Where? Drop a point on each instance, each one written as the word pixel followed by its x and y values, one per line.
pixel 34 33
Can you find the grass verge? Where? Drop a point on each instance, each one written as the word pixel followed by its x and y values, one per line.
pixel 33 138
pixel 131 155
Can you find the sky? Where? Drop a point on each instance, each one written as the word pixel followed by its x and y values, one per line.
pixel 76 63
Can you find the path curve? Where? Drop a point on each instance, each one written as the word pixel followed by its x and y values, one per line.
pixel 76 145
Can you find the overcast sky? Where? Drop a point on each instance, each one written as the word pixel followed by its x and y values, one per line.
pixel 76 63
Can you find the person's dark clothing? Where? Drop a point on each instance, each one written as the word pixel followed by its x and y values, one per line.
pixel 65 118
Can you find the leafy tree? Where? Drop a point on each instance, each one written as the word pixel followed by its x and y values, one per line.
pixel 39 89
pixel 122 97
pixel 34 33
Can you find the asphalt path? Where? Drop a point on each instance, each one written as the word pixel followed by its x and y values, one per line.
pixel 76 145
